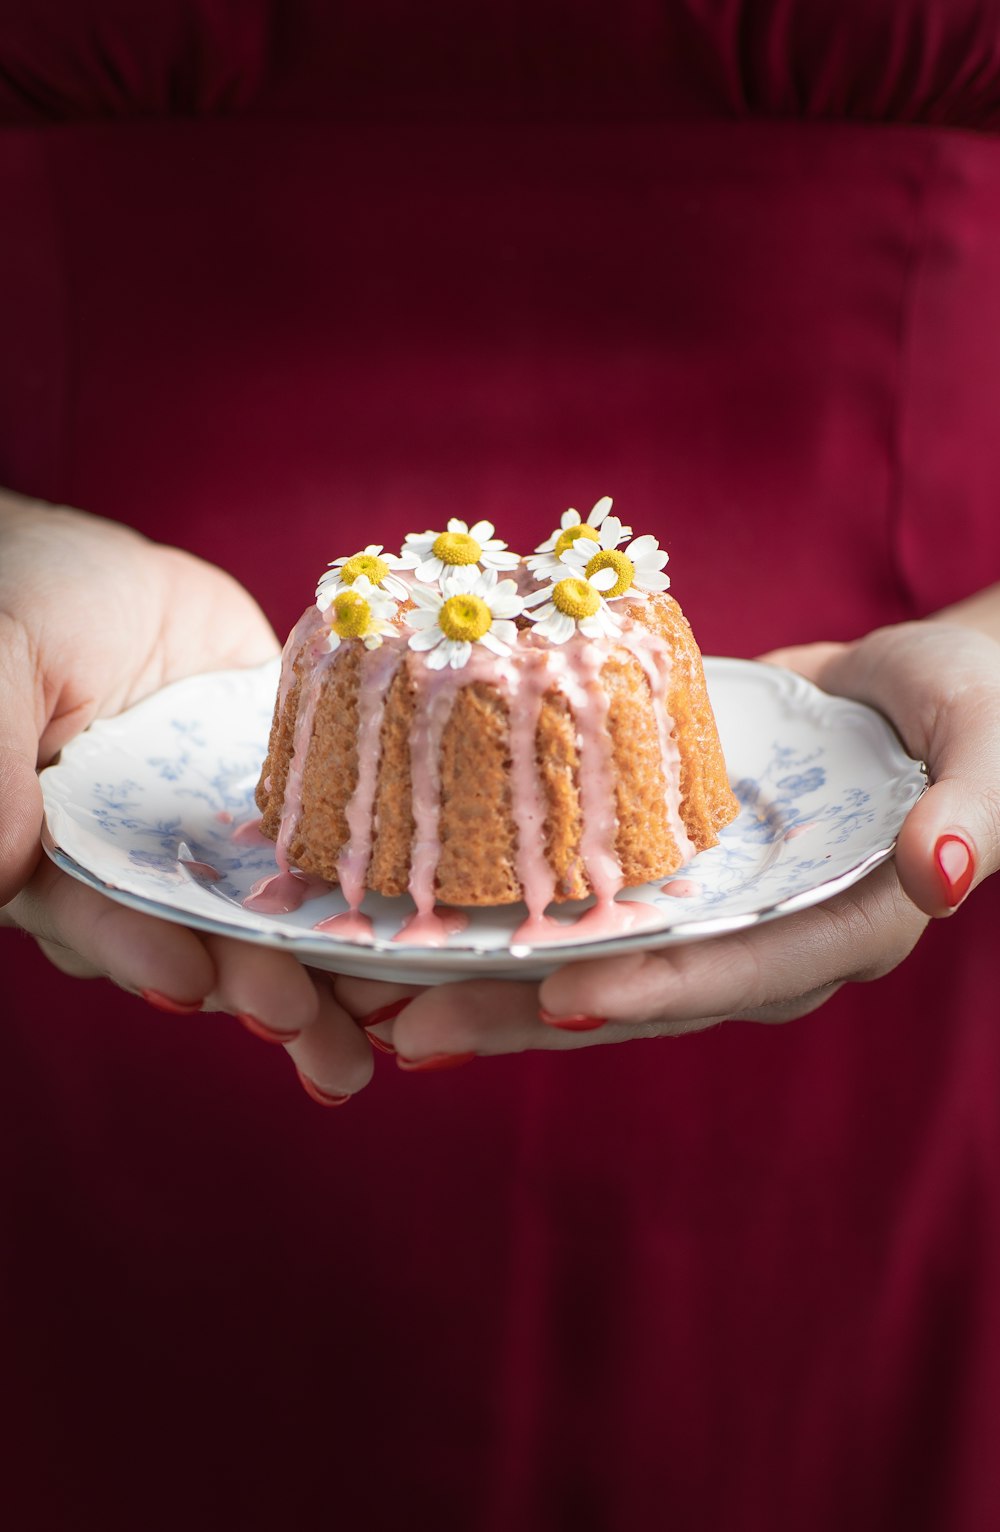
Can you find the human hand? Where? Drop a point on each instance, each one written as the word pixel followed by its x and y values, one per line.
pixel 940 686
pixel 92 618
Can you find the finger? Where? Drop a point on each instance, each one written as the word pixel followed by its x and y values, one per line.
pixel 332 1055
pixel 940 686
pixel 98 936
pixel 269 991
pixel 774 971
pixel 20 795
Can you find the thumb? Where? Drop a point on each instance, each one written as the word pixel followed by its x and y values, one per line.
pixel 20 794
pixel 939 686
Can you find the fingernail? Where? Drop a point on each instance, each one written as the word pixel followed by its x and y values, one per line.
pixel 265 1033
pixel 379 1043
pixel 164 1003
pixel 317 1093
pixel 385 1012
pixel 434 1061
pixel 572 1023
pixel 957 867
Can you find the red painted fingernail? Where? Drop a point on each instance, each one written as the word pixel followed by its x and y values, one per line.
pixel 164 1003
pixel 317 1093
pixel 385 1012
pixel 572 1023
pixel 265 1033
pixel 957 867
pixel 434 1061
pixel 379 1043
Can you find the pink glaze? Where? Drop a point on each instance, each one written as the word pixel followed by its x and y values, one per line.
pixel 378 667
pixel 224 817
pixel 526 683
pixel 797 830
pixel 681 888
pixel 203 870
pixel 657 662
pixel 351 926
pixel 538 929
pixel 249 834
pixel 577 667
pixel 432 927
pixel 284 892
pixel 614 917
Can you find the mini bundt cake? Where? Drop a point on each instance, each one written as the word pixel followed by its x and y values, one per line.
pixel 472 728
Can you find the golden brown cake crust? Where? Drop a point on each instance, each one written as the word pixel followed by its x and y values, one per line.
pixel 477 862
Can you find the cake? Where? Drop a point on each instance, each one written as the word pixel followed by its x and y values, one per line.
pixel 469 727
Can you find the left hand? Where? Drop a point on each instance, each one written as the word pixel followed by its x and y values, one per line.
pixel 939 684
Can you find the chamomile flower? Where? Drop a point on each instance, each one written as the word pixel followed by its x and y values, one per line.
pixel 360 610
pixel 599 527
pixel 471 606
pixel 371 562
pixel 430 554
pixel 573 604
pixel 638 569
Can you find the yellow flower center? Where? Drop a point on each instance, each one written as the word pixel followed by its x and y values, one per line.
pixel 567 538
pixel 364 564
pixel 611 558
pixel 575 598
pixel 464 618
pixel 457 548
pixel 351 616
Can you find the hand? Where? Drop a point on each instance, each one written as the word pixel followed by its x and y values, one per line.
pixel 940 686
pixel 92 618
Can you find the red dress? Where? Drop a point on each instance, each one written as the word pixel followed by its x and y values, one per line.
pixel 269 270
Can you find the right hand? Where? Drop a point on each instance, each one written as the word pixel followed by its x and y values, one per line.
pixel 94 617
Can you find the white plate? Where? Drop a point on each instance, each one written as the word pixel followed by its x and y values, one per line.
pixel 824 786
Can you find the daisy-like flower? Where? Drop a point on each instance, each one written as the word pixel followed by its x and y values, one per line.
pixel 599 527
pixel 574 604
pixel 637 568
pixel 472 606
pixel 430 554
pixel 372 562
pixel 360 610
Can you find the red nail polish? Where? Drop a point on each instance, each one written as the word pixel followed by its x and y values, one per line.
pixel 164 1003
pixel 434 1061
pixel 572 1023
pixel 378 1043
pixel 317 1093
pixel 385 1012
pixel 957 867
pixel 265 1033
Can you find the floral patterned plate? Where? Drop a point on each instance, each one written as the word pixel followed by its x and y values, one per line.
pixel 148 808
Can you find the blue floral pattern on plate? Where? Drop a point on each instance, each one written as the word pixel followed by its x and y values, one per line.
pixel 143 807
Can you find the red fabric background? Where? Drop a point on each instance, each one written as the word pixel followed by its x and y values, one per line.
pixel 266 277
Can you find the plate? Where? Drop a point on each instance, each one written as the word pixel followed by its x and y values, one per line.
pixel 144 807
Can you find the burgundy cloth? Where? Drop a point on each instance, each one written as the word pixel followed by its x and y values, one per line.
pixel 270 274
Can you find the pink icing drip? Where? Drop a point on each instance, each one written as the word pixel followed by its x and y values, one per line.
pixel 249 834
pixel 612 917
pixel 526 684
pixel 432 927
pixel 681 888
pixel 284 892
pixel 578 666
pixel 378 666
pixel 224 817
pixel 656 660
pixel 351 926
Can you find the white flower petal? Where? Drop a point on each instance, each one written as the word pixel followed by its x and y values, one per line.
pixel 430 599
pixel 640 546
pixel 455 525
pixel 506 632
pixel 482 531
pixel 500 560
pixel 490 640
pixel 652 582
pixel 544 593
pixel 570 518
pixel 458 655
pixel 600 510
pixel 437 659
pixel 430 639
pixel 430 570
pixel 603 579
